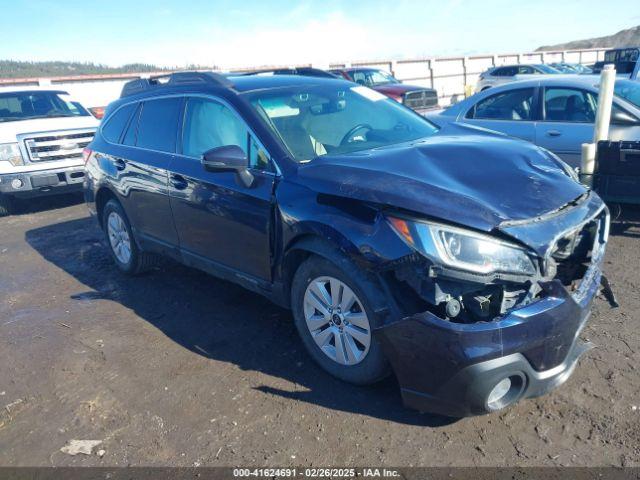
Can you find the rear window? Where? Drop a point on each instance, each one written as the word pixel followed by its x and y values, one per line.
pixel 158 124
pixel 112 130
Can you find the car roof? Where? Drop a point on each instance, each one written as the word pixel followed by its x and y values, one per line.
pixel 30 88
pixel 568 80
pixel 247 83
pixel 510 65
pixel 229 83
pixel 357 69
pixel 226 85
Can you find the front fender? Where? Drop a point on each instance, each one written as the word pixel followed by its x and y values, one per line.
pixel 355 229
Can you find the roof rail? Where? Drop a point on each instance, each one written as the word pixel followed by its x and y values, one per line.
pixel 178 78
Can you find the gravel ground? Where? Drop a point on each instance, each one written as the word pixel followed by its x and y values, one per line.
pixel 178 368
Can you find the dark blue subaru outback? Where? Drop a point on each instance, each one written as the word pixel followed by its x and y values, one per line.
pixel 463 261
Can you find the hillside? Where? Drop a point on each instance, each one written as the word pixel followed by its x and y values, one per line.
pixel 624 38
pixel 19 69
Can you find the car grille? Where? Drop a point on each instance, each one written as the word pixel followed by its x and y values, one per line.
pixel 421 99
pixel 51 146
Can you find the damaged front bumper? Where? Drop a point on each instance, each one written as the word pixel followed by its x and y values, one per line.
pixel 463 369
pixel 451 369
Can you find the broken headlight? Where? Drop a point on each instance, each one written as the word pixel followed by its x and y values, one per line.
pixel 463 249
pixel 10 152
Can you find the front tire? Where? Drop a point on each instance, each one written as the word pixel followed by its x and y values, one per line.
pixel 123 249
pixel 335 320
pixel 6 205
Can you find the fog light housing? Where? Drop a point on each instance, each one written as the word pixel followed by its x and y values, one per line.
pixel 16 183
pixel 505 392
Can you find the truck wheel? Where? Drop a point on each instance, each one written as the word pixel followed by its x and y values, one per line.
pixel 125 252
pixel 335 320
pixel 6 205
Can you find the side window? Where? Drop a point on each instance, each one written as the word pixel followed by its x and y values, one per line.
pixel 507 71
pixel 132 130
pixel 569 105
pixel 258 157
pixel 158 123
pixel 112 130
pixel 526 70
pixel 511 105
pixel 499 72
pixel 209 124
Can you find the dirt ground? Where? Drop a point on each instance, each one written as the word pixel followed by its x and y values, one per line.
pixel 178 368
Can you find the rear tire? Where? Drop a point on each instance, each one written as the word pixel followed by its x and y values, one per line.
pixel 126 254
pixel 6 205
pixel 341 339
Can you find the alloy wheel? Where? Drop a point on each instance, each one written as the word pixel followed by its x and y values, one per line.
pixel 119 238
pixel 337 320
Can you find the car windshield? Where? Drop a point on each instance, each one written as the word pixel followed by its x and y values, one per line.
pixel 335 119
pixel 27 105
pixel 582 68
pixel 547 69
pixel 629 91
pixel 372 78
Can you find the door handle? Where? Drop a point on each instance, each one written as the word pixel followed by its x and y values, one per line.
pixel 119 163
pixel 178 181
pixel 554 133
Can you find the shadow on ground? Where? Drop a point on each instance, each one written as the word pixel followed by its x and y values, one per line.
pixel 627 221
pixel 41 204
pixel 215 319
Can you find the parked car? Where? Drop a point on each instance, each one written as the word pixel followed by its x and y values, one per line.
pixel 466 262
pixel 420 99
pixel 42 134
pixel 625 61
pixel 571 68
pixel 508 73
pixel 557 113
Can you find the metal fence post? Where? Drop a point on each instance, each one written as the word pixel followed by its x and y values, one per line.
pixel 430 67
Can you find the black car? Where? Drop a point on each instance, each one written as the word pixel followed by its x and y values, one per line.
pixel 465 263
pixel 625 60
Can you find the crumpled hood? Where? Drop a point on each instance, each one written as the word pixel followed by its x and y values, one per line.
pixel 473 179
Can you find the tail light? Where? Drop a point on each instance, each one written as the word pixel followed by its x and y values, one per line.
pixel 97 112
pixel 86 154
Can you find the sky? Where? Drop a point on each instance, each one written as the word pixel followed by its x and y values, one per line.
pixel 240 33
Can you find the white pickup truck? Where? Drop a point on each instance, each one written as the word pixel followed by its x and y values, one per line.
pixel 42 135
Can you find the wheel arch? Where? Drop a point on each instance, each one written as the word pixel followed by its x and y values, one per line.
pixel 103 195
pixel 304 246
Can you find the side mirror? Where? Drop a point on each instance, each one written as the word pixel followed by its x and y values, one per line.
pixel 620 117
pixel 229 158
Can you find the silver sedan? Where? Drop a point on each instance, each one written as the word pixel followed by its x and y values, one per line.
pixel 555 112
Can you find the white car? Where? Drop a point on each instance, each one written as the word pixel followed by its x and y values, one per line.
pixel 508 73
pixel 42 135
